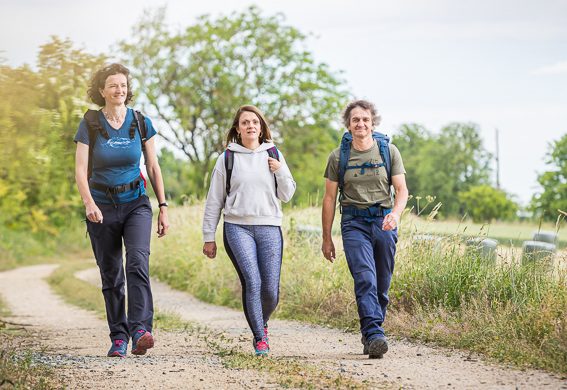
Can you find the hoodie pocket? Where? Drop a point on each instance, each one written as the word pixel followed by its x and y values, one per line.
pixel 259 204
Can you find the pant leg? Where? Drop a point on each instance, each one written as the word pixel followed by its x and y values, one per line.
pixel 106 241
pixel 384 244
pixel 358 246
pixel 241 248
pixel 269 241
pixel 137 232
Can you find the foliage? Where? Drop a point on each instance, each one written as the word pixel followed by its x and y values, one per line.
pixel 21 367
pixel 176 175
pixel 439 292
pixel 553 182
pixel 194 80
pixel 484 204
pixel 39 114
pixel 443 164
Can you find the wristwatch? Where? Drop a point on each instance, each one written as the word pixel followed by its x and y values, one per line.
pixel 164 204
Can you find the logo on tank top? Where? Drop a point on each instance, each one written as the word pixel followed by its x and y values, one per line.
pixel 119 143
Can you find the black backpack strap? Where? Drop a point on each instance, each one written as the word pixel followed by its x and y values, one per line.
pixel 140 122
pixel 92 119
pixel 228 165
pixel 273 153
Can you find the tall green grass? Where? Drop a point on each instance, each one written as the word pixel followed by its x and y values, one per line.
pixel 443 294
pixel 19 248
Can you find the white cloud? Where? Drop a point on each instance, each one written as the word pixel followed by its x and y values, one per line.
pixel 557 68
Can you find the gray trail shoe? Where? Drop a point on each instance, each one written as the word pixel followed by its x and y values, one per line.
pixel 377 347
pixel 365 348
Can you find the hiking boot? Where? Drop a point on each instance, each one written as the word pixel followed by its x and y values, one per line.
pixel 141 342
pixel 119 348
pixel 377 347
pixel 261 347
pixel 365 348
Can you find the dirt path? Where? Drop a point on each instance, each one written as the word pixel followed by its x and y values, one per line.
pixel 180 362
pixel 76 341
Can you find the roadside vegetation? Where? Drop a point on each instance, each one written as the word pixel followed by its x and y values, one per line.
pixel 441 292
pixel 18 370
pixel 21 248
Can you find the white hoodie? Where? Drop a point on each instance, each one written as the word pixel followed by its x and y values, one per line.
pixel 252 199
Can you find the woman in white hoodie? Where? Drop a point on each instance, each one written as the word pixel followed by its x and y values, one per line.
pixel 249 181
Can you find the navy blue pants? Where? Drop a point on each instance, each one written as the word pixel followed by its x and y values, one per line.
pixel 129 223
pixel 370 255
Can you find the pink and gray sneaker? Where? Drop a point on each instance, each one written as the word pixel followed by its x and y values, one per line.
pixel 261 347
pixel 141 342
pixel 266 333
pixel 119 348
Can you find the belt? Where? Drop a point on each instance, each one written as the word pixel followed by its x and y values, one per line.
pixel 118 189
pixel 372 211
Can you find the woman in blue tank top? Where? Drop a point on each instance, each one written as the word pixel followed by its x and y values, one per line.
pixel 110 143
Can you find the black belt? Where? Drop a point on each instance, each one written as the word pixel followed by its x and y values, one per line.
pixel 372 211
pixel 118 189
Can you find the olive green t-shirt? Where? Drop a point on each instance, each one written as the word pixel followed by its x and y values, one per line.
pixel 365 187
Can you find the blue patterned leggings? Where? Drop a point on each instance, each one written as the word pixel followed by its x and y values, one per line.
pixel 256 253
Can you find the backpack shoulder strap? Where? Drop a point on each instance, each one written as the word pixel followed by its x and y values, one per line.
pixel 344 156
pixel 273 153
pixel 140 120
pixel 228 166
pixel 92 119
pixel 383 142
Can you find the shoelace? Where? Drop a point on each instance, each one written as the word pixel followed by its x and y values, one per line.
pixel 118 343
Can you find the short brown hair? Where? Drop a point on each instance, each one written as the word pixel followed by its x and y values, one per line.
pixel 99 79
pixel 365 105
pixel 265 134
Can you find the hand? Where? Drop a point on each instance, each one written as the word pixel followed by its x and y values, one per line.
pixel 93 213
pixel 163 222
pixel 328 249
pixel 391 222
pixel 274 164
pixel 210 249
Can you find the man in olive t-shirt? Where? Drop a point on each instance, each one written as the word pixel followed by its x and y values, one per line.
pixel 369 221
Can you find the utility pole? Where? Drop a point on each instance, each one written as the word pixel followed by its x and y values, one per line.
pixel 497 161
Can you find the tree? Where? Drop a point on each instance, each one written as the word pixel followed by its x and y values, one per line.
pixel 445 164
pixel 553 182
pixel 412 139
pixel 484 203
pixel 194 81
pixel 40 112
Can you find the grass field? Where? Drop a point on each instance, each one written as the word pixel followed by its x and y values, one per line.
pixel 507 233
pixel 446 295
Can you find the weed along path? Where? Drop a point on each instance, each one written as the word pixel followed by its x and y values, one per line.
pixel 214 351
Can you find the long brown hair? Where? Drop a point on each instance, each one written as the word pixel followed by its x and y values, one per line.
pixel 265 134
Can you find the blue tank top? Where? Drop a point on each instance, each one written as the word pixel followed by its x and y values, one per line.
pixel 116 161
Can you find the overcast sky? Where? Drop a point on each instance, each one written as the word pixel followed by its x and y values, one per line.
pixel 500 64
